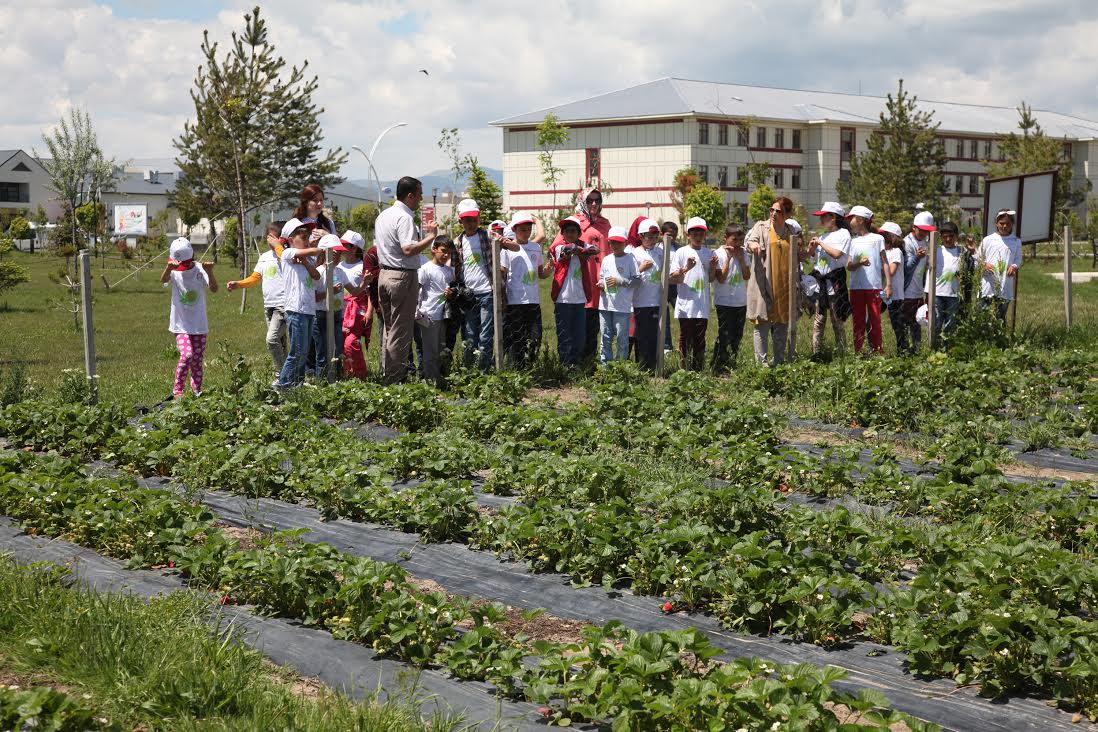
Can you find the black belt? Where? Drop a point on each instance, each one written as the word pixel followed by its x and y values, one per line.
pixel 399 269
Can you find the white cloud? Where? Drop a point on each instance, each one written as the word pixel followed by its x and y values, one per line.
pixel 496 58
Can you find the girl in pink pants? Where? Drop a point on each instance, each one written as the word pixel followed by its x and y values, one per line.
pixel 188 281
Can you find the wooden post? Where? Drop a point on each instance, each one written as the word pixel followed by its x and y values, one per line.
pixel 89 331
pixel 1014 303
pixel 329 317
pixel 932 289
pixel 664 285
pixel 1067 277
pixel 497 306
pixel 794 288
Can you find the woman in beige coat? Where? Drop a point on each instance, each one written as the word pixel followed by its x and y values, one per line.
pixel 768 242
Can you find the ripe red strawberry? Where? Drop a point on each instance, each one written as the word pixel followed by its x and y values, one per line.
pixel 667 607
pixel 544 711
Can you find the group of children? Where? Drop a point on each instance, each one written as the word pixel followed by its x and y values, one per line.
pixel 605 271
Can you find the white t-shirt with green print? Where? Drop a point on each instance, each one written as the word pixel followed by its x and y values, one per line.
pixel 188 313
pixel 571 290
pixel 693 293
pixel 433 281
pixel 522 274
pixel 947 262
pixel 999 252
pixel 838 239
pixel 733 291
pixel 646 293
pixel 269 267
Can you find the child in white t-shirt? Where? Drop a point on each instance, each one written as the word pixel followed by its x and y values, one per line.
pixel 1000 255
pixel 730 275
pixel 692 269
pixel 299 276
pixel 646 293
pixel 318 357
pixel 187 320
pixel 268 271
pixel 434 289
pixel 617 276
pixel 353 281
pixel 894 276
pixel 866 266
pixel 522 270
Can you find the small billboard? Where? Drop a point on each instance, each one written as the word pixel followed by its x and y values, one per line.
pixel 1030 196
pixel 131 219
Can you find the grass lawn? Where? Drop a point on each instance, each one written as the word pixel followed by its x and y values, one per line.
pixel 136 355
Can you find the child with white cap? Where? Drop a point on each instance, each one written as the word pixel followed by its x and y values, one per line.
pixel 692 268
pixel 617 276
pixel 830 252
pixel 522 270
pixel 915 248
pixel 318 354
pixel 187 320
pixel 300 278
pixel 1000 256
pixel 646 294
pixel 730 275
pixel 868 276
pixel 268 272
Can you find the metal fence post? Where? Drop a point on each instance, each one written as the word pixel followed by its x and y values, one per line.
pixel 89 330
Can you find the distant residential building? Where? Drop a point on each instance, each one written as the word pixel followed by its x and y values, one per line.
pixel 635 139
pixel 23 187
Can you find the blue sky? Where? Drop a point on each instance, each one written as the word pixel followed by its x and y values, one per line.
pixel 131 64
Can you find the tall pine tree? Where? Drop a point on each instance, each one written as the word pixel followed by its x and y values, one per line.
pixel 903 164
pixel 254 140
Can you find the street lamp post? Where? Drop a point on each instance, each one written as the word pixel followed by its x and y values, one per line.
pixel 373 149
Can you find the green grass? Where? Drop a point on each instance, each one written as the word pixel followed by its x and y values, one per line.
pixel 157 665
pixel 136 355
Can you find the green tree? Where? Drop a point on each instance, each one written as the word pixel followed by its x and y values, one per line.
pixel 76 165
pixel 903 164
pixel 255 137
pixel 759 202
pixel 1033 152
pixel 40 218
pixel 684 181
pixel 484 191
pixel 551 135
pixel 450 144
pixel 706 201
pixel 11 274
pixel 362 218
pixel 19 228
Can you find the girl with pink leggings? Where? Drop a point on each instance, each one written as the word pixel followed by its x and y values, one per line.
pixel 188 281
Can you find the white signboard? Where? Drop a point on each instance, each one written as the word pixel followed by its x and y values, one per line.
pixel 131 219
pixel 1030 196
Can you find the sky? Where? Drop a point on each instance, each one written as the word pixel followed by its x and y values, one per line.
pixel 131 64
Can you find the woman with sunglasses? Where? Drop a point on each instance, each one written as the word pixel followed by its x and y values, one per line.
pixel 769 243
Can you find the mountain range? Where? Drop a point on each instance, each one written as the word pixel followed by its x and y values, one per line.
pixel 443 180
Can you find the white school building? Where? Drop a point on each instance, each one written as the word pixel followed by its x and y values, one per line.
pixel 635 140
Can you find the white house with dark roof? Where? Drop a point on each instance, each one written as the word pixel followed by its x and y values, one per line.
pixel 23 186
pixel 635 139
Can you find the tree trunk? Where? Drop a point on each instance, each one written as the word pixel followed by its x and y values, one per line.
pixel 242 239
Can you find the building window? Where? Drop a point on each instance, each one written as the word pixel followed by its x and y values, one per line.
pixel 960 149
pixel 741 177
pixel 844 176
pixel 1067 151
pixel 15 192
pixel 779 178
pixel 742 136
pixel 722 176
pixel 795 179
pixel 987 149
pixel 846 144
pixel 722 134
pixel 703 173
pixel 594 166
pixel 796 139
pixel 21 167
pixel 743 211
pixel 942 145
pixel 703 133
pixel 973 185
pixel 959 184
pixel 779 138
pixel 973 146
pixel 760 137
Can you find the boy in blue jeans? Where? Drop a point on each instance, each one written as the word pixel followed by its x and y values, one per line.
pixel 300 276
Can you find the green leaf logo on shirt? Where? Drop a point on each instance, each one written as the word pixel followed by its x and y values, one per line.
pixel 821 263
pixel 474 259
pixel 188 297
pixel 655 276
pixel 272 271
pixel 577 274
pixel 698 286
pixel 735 279
pixel 948 277
pixel 528 277
pixel 441 298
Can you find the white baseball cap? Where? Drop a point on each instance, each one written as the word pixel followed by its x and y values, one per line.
pixel 521 217
pixel 696 222
pixel 1005 212
pixel 862 211
pixel 468 207
pixel 508 233
pixel 330 241
pixel 497 224
pixel 571 220
pixel 618 233
pixel 180 250
pixel 891 227
pixel 291 226
pixel 925 220
pixel 646 226
pixel 793 225
pixel 831 207
pixel 350 239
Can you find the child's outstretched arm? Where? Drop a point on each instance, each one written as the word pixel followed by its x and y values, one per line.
pixel 167 273
pixel 209 268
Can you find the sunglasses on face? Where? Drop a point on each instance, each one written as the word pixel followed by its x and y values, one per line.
pixel 594 200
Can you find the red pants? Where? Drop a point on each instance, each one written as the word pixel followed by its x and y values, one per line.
pixel 358 320
pixel 865 305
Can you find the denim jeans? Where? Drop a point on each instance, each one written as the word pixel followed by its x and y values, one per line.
pixel 478 332
pixel 276 335
pixel 571 322
pixel 647 335
pixel 945 320
pixel 614 330
pixel 730 321
pixel 301 329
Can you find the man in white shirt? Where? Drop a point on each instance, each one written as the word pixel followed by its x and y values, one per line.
pixel 1000 255
pixel 915 245
pixel 399 245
